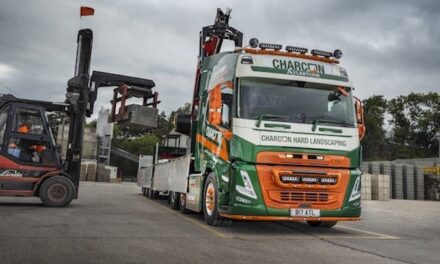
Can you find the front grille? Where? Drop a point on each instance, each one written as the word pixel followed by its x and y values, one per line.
pixel 295 196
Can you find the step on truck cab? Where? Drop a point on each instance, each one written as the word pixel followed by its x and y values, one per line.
pixel 275 134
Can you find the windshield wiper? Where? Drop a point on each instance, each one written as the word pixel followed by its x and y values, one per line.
pixel 326 121
pixel 268 116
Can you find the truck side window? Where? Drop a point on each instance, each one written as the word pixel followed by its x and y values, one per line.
pixel 226 107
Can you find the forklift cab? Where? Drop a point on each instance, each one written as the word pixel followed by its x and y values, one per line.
pixel 25 136
pixel 28 154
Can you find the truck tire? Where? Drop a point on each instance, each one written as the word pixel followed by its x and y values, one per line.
pixel 174 200
pixel 327 224
pixel 210 203
pixel 151 194
pixel 144 191
pixel 57 191
pixel 182 203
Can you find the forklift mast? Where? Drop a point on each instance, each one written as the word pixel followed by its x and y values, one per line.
pixel 82 91
pixel 78 98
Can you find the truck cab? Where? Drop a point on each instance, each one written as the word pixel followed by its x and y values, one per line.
pixel 276 137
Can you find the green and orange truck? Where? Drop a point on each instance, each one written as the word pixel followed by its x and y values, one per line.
pixel 275 136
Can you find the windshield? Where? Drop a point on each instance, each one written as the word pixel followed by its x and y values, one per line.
pixel 296 102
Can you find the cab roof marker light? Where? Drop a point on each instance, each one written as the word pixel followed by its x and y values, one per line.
pixel 337 54
pixel 321 53
pixel 296 49
pixel 270 46
pixel 253 42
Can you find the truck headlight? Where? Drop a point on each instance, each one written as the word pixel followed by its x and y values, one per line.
pixel 356 191
pixel 247 189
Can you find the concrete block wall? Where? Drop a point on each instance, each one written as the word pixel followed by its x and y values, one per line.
pixel 397 181
pixel 407 178
pixel 385 168
pixel 380 186
pixel 366 186
pixel 419 181
pixel 91 172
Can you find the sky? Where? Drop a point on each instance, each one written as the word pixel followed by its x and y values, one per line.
pixel 389 47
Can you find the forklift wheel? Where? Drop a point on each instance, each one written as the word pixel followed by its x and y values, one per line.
pixel 57 191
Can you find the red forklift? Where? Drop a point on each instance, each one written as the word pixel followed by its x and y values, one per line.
pixel 30 163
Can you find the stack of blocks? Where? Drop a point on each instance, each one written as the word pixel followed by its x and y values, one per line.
pixel 397 179
pixel 91 172
pixel 408 179
pixel 419 181
pixel 380 187
pixel 385 168
pixel 366 186
pixel 83 172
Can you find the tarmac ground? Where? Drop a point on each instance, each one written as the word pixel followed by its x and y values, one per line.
pixel 115 223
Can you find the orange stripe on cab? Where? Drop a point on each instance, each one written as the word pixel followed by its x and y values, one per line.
pixel 220 151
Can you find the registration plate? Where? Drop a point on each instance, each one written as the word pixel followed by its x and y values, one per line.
pixel 305 212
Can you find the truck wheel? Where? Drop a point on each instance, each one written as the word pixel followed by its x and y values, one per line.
pixel 57 191
pixel 210 204
pixel 182 203
pixel 156 195
pixel 174 200
pixel 143 191
pixel 151 194
pixel 327 224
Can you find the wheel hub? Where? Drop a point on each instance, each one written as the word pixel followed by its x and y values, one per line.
pixel 210 199
pixel 57 192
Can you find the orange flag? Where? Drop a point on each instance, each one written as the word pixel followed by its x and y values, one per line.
pixel 86 11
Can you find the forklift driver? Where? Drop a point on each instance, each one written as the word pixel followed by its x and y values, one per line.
pixel 25 150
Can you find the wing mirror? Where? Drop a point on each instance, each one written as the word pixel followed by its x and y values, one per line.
pixel 360 117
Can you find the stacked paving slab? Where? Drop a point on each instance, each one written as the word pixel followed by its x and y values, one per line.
pixel 91 172
pixel 380 187
pixel 406 178
pixel 106 173
pixel 366 187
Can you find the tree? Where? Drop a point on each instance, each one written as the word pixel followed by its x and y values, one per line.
pixel 374 145
pixel 422 112
pixel 415 123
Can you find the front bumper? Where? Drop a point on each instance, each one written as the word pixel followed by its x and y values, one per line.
pixel 285 218
pixel 241 207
